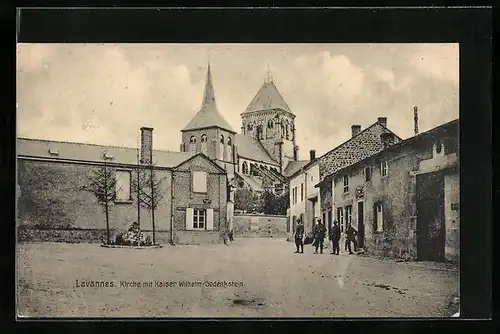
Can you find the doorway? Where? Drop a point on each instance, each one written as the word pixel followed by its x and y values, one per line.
pixel 361 225
pixel 431 232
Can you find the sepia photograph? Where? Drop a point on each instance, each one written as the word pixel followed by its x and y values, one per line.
pixel 225 180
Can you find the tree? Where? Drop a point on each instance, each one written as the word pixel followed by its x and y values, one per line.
pixel 244 199
pixel 148 187
pixel 268 202
pixel 281 203
pixel 102 183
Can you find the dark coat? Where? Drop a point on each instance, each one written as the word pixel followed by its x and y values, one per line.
pixel 299 232
pixel 351 233
pixel 319 231
pixel 335 233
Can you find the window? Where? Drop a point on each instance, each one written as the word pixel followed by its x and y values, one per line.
pixel 229 151
pixel 346 183
pixel 199 219
pixel 192 143
pixel 270 124
pixel 383 168
pixel 287 131
pixel 378 217
pixel 249 127
pixel 340 219
pixel 204 144
pixel 221 148
pixel 291 197
pixel 312 178
pixel 348 215
pixel 368 174
pixel 244 167
pixel 301 192
pixel 199 181
pixel 438 147
pixel 122 186
pixel 260 133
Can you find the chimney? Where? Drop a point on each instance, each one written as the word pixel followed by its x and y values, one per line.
pixel 295 153
pixel 312 155
pixel 387 139
pixel 383 121
pixel 355 129
pixel 415 120
pixel 146 145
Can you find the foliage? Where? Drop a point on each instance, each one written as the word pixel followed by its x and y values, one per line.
pixel 101 183
pixel 147 185
pixel 273 204
pixel 245 200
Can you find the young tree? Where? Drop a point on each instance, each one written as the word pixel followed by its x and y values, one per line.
pixel 102 183
pixel 281 203
pixel 148 187
pixel 268 201
pixel 244 199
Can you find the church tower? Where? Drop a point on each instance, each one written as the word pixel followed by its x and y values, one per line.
pixel 268 118
pixel 208 132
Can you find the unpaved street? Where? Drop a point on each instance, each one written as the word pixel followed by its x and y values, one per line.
pixel 274 282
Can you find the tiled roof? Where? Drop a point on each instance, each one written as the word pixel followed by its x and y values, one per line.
pixel 254 183
pixel 268 97
pixel 209 115
pixel 447 129
pixel 357 148
pixel 294 166
pixel 251 148
pixel 93 153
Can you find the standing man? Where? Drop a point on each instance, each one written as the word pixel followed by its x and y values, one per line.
pixel 319 236
pixel 351 234
pixel 299 235
pixel 335 238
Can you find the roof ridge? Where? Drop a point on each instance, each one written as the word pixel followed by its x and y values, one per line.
pixel 358 134
pixel 90 144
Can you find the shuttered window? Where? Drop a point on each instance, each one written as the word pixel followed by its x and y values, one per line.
pixel 199 181
pixel 122 186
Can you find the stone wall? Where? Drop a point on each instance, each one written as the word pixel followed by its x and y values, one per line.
pixel 260 226
pixel 51 196
pixel 360 147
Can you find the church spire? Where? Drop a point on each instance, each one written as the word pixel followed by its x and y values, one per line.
pixel 209 95
pixel 269 75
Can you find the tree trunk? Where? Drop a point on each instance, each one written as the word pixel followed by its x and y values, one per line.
pixel 107 221
pixel 106 199
pixel 138 197
pixel 153 206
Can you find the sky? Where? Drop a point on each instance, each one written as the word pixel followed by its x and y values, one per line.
pixel 104 93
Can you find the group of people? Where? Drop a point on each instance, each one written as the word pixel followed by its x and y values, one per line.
pixel 318 237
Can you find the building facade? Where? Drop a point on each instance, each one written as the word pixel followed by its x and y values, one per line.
pixel 362 144
pixel 404 201
pixel 304 197
pixel 258 157
pixel 52 197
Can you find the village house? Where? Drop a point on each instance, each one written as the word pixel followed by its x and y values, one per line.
pixel 53 205
pixel 304 197
pixel 362 144
pixel 404 201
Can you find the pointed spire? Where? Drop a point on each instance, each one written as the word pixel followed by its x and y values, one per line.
pixel 209 95
pixel 269 75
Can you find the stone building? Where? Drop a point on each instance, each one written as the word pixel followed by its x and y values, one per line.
pixel 263 154
pixel 304 197
pixel 53 205
pixel 404 201
pixel 362 144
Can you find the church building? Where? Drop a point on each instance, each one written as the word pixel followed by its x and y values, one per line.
pixel 263 154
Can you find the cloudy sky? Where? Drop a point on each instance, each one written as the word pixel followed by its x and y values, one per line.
pixel 103 93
